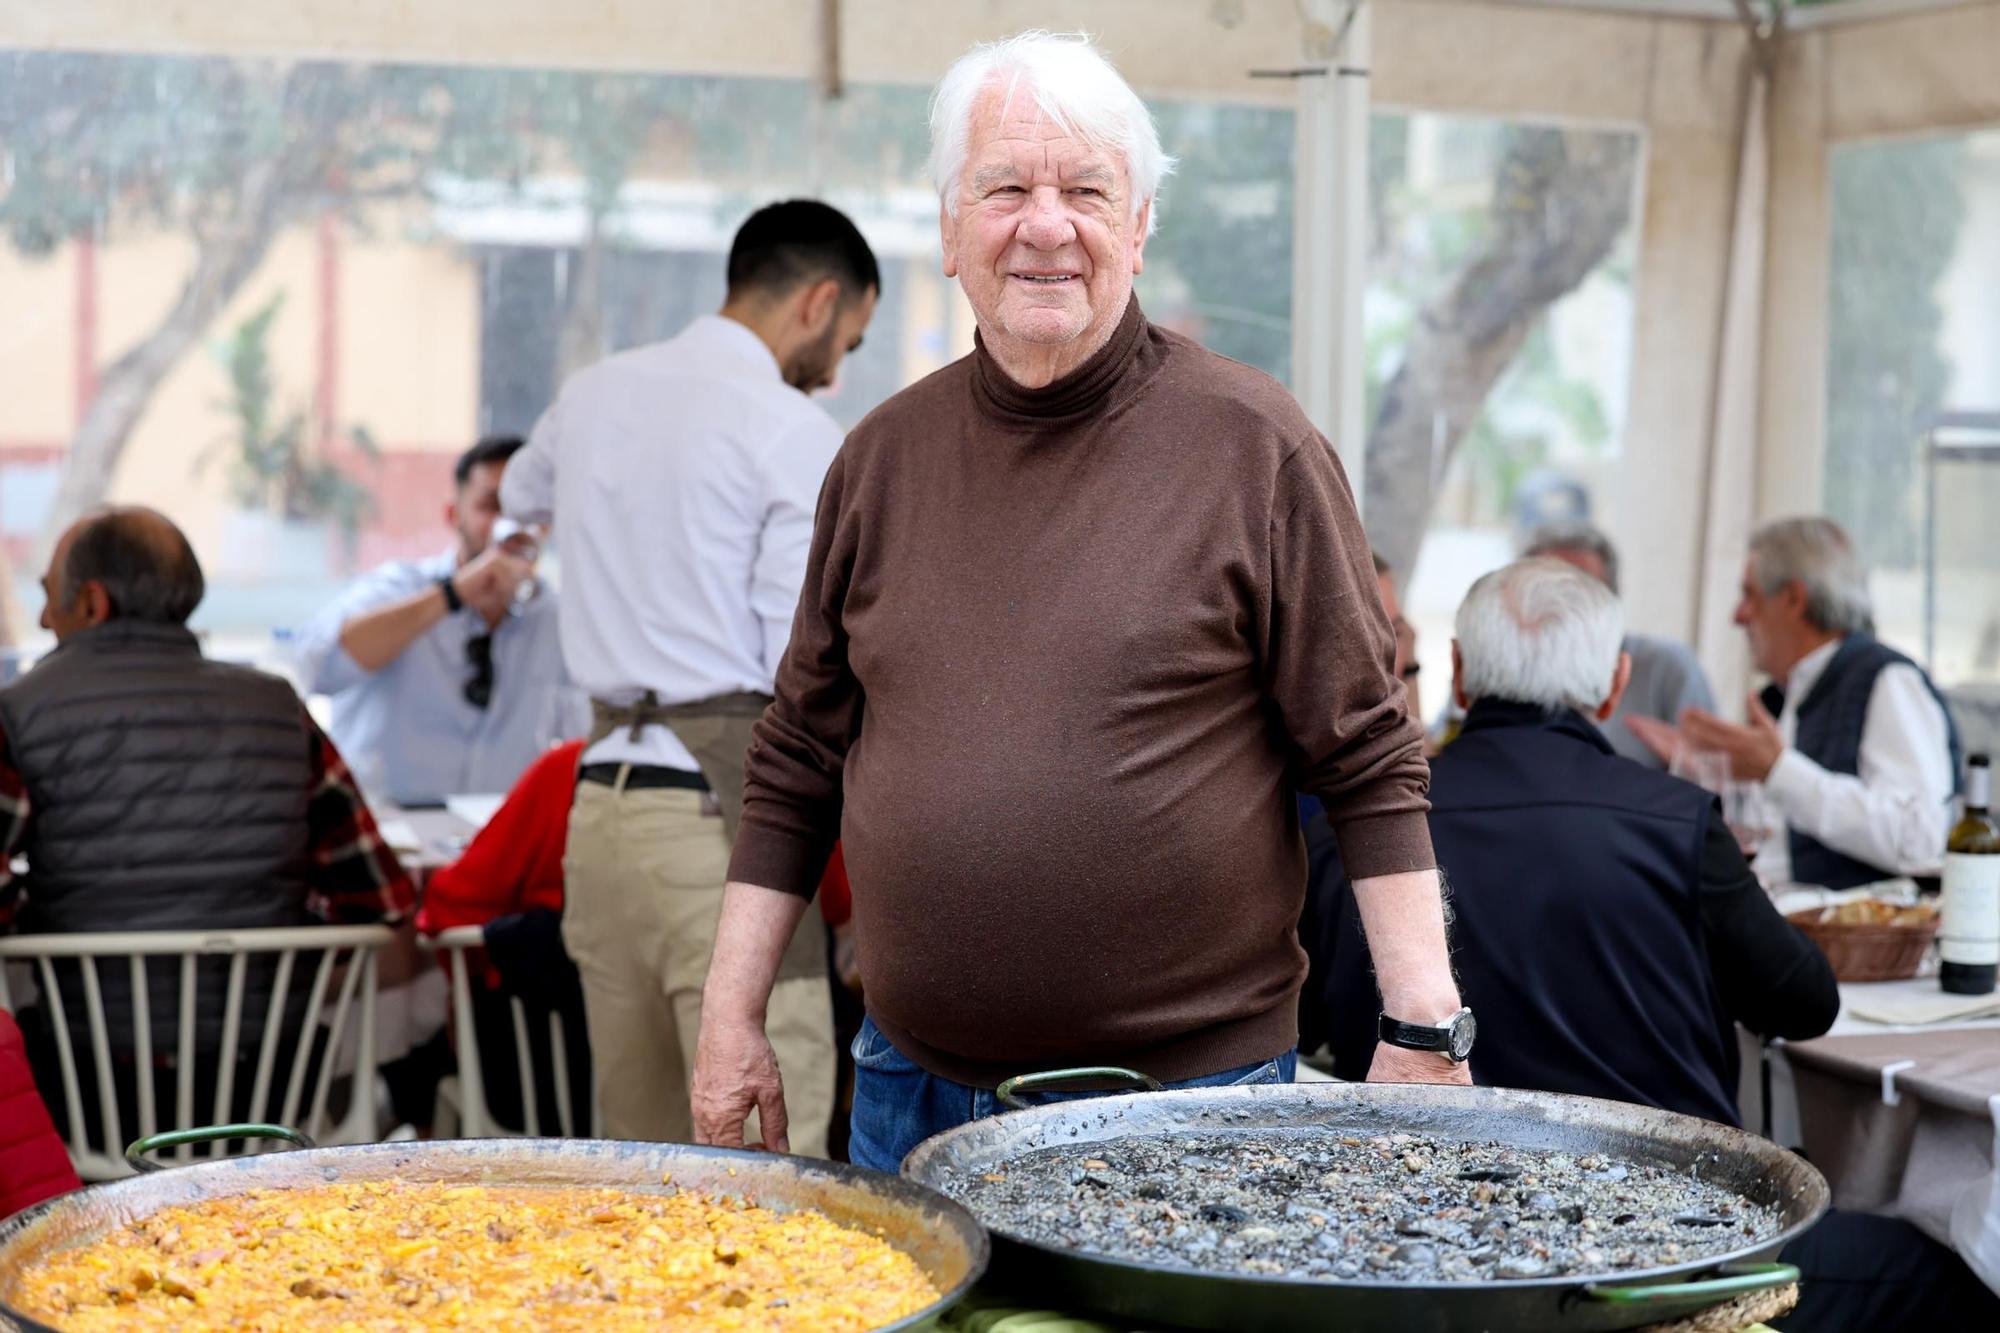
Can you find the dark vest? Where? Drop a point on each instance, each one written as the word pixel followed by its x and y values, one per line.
pixel 168 793
pixel 1574 878
pixel 1830 720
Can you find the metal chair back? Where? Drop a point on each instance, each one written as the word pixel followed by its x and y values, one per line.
pixel 475 1118
pixel 336 995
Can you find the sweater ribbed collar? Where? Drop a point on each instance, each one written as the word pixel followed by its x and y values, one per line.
pixel 1077 395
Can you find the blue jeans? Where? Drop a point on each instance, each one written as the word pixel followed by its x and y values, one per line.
pixel 897 1105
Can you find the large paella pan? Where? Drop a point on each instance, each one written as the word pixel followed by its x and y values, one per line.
pixel 1116 1159
pixel 516 1233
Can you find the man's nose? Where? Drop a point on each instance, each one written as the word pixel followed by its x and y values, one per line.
pixel 1048 225
pixel 1742 616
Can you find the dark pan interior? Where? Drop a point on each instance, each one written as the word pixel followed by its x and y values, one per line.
pixel 941 1236
pixel 1756 1168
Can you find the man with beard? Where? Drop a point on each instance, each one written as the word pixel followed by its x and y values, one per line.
pixel 443 680
pixel 681 478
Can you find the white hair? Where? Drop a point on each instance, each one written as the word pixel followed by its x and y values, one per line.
pixel 1540 632
pixel 1072 84
pixel 1818 555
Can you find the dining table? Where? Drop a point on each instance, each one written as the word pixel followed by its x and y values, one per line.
pixel 1898 1105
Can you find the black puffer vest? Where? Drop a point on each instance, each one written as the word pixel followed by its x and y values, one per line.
pixel 168 792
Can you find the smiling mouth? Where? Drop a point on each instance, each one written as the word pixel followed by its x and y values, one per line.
pixel 1048 279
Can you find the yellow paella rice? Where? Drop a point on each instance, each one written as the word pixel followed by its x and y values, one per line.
pixel 395 1255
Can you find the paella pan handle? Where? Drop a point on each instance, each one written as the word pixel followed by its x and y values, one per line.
pixel 1736 1280
pixel 1132 1080
pixel 136 1158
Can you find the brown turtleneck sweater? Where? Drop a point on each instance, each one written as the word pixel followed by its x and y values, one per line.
pixel 1061 658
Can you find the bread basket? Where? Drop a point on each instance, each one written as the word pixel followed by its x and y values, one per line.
pixel 1868 952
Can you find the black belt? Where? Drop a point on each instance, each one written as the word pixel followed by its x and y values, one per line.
pixel 642 776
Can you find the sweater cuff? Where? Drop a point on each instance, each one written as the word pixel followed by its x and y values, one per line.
pixel 780 859
pixel 1388 844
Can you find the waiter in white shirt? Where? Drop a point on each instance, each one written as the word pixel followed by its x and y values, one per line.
pixel 1855 747
pixel 682 478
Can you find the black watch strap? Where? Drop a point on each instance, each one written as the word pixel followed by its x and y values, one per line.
pixel 1413 1036
pixel 452 601
pixel 1452 1038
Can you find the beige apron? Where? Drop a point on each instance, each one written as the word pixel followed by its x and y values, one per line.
pixel 717 733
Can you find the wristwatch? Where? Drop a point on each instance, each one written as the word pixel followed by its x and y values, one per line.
pixel 1452 1038
pixel 453 603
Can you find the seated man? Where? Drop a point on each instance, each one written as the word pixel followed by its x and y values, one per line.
pixel 1852 742
pixel 1666 676
pixel 443 681
pixel 1608 932
pixel 153 789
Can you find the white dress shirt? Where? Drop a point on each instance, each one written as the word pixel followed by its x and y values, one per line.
pixel 681 478
pixel 1895 813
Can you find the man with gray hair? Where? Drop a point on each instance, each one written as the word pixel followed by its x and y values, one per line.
pixel 1851 740
pixel 1609 932
pixel 150 788
pixel 1082 610
pixel 1666 676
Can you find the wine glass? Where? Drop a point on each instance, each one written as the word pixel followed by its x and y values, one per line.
pixel 1707 769
pixel 1746 807
pixel 524 541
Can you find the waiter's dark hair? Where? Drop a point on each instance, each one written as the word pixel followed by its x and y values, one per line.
pixel 800 240
pixel 492 449
pixel 143 561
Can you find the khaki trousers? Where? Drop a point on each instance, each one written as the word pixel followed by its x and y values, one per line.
pixel 643 878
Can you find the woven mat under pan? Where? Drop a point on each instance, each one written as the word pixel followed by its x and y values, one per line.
pixel 977 1314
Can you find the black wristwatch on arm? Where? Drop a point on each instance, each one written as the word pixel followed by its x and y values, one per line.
pixel 453 603
pixel 1452 1038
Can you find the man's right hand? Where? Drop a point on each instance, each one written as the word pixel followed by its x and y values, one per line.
pixel 736 1072
pixel 488 581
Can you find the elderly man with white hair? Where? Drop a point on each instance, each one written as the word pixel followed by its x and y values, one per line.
pixel 1610 933
pixel 1852 740
pixel 1082 610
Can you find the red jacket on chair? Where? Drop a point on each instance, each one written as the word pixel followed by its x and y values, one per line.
pixel 34 1165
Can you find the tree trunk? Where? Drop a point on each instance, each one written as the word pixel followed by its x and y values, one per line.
pixel 224 261
pixel 1561 199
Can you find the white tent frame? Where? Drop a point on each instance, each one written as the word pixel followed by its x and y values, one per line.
pixel 1732 452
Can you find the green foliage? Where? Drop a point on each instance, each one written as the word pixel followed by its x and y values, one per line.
pixel 1897 210
pixel 269 465
pixel 1502 458
pixel 1226 227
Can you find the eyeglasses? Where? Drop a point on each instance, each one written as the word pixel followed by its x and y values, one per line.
pixel 479 652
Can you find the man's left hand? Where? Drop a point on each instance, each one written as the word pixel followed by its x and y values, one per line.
pixel 1753 748
pixel 1396 1064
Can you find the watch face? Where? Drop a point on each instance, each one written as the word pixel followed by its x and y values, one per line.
pixel 1463 1029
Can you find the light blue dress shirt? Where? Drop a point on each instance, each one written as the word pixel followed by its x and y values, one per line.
pixel 407 730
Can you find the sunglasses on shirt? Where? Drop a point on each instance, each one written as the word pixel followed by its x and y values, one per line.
pixel 479 653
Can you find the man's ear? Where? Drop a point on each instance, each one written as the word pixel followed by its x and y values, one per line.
pixel 820 306
pixel 948 237
pixel 93 602
pixel 1620 678
pixel 1458 678
pixel 1139 236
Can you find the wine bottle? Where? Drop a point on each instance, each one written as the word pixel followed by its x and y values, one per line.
pixel 1969 929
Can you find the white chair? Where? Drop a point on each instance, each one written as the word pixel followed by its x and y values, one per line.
pixel 463 1108
pixel 344 975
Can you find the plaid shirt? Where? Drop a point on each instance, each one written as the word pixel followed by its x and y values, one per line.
pixel 353 877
